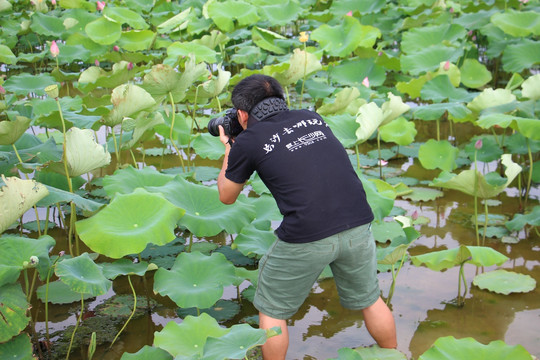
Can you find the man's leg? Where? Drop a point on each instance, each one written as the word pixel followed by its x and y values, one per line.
pixel 380 324
pixel 275 347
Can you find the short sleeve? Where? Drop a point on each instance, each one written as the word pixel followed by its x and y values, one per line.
pixel 240 166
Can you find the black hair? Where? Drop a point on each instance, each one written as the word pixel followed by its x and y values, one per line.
pixel 254 89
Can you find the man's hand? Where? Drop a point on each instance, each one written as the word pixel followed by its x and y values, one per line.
pixel 225 139
pixel 228 190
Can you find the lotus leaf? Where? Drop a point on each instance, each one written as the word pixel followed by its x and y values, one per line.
pixel 348 354
pixel 386 231
pixel 182 49
pixel 353 72
pixel 370 117
pixel 234 344
pixel 344 127
pixel 195 280
pixel 302 64
pixel 19 347
pixel 489 151
pixel 216 85
pixel 125 267
pixel 445 259
pixel 474 74
pixel 57 196
pixel 125 181
pixel 362 6
pixel 208 146
pixel 148 353
pixel 528 127
pixel 420 38
pixel 265 207
pixel 517 23
pixel 11 131
pixel 400 131
pixel 440 89
pixel 375 352
pixel 466 180
pixel 60 293
pixel 47 25
pixel 6 55
pixel 281 12
pixel 224 13
pixel 248 55
pixel 341 40
pixel 127 100
pixel 95 76
pixel 436 111
pixel 124 15
pixel 318 88
pixel 235 256
pixel 505 282
pixel 265 39
pixel 429 58
pixel 189 337
pixel 82 275
pixel 255 239
pixel 175 23
pixel 524 55
pixel 223 310
pixel 438 155
pixel 129 223
pixel 16 197
pixel 18 250
pixel 381 204
pixel 531 87
pixel 413 86
pixel 422 194
pixel 26 83
pixel 342 101
pixel 490 98
pixel 136 40
pixel 494 232
pixel 13 309
pixel 104 31
pixel 205 214
pixel 468 348
pixel 520 220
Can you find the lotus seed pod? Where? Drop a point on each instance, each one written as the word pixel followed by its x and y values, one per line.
pixel 52 91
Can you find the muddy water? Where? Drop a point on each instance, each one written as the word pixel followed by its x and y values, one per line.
pixel 423 302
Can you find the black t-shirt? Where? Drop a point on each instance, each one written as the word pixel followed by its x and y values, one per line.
pixel 308 172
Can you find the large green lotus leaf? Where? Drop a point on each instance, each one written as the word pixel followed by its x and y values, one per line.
pixel 393 108
pixel 490 150
pixel 280 12
pixel 222 311
pixel 450 348
pixel 95 76
pixel 419 38
pixel 18 348
pixel 413 86
pixel 438 155
pixel 13 309
pixel 181 132
pixel 71 53
pixel 341 40
pixel 48 25
pixel 205 214
pixel 59 293
pixel 143 128
pixel 125 181
pixel 400 131
pixel 528 127
pixel 127 100
pixel 465 180
pixel 353 72
pixel 505 282
pixel 341 102
pixel 344 127
pixel 266 207
pixel 200 52
pixel 520 220
pixel 422 194
pixel 394 256
pixel 208 146
pixel 255 239
pixel 83 275
pixel 429 58
pixel 440 89
pixel 6 55
pixel 235 344
pixel 136 40
pixel 11 131
pixel 265 39
pixel 124 15
pixel 83 153
pixel 125 267
pixel 435 111
pixel 518 57
pixel 445 259
pixel 370 117
pixel 61 196
pixel 518 23
pixel 224 13
pixel 318 88
pixel 347 354
pixel 386 231
pixel 175 23
pixel 302 64
pixel 474 74
pixel 129 223
pixel 148 353
pixel 491 97
pixel 104 31
pixel 248 55
pixel 215 86
pixel 26 83
pixel 16 197
pixel 342 7
pixel 376 352
pixel 18 250
pixel 381 203
pixel 530 88
pixel 195 280
pixel 189 337
pixel 450 70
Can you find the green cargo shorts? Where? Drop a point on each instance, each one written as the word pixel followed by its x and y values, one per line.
pixel 288 271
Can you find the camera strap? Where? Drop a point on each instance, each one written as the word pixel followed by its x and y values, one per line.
pixel 268 107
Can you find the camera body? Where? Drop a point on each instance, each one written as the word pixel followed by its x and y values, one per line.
pixel 229 122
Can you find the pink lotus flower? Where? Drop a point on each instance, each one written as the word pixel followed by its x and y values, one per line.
pixel 53 2
pixel 100 5
pixel 130 66
pixel 365 82
pixel 96 62
pixel 2 90
pixel 54 49
pixel 446 65
pixel 383 162
pixel 478 144
pixel 116 48
pixel 414 215
pixel 349 13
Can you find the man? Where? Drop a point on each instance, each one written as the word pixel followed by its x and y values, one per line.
pixel 326 218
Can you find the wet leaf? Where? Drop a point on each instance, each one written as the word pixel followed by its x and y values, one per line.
pixel 505 282
pixel 83 275
pixel 195 280
pixel 129 223
pixel 234 344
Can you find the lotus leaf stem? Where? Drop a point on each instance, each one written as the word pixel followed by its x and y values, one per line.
pixel 529 180
pixel 394 278
pixel 173 118
pixel 485 221
pixel 304 76
pixel 47 214
pixel 476 199
pixel 379 151
pixel 79 319
pixel 357 156
pixel 132 312
pixel 115 147
pixel 133 158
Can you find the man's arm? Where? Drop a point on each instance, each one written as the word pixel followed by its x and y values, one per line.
pixel 228 190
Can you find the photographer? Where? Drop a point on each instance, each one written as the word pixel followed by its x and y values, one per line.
pixel 326 218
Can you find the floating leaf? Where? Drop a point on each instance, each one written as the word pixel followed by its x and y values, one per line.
pixel 449 348
pixel 505 282
pixel 60 293
pixel 129 223
pixel 13 309
pixel 195 280
pixel 520 220
pixel 82 275
pixel 234 344
pixel 422 194
pixel 16 197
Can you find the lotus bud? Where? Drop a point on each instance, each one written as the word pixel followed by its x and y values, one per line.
pixel 470 32
pixel 446 65
pixel 116 48
pixel 96 62
pixel 100 5
pixel 414 215
pixel 474 38
pixel 451 10
pixel 383 162
pixel 303 37
pixel 478 144
pixel 365 82
pixel 53 2
pixel 61 253
pixel 2 90
pixel 130 66
pixel 380 53
pixel 349 13
pixel 52 91
pixel 54 49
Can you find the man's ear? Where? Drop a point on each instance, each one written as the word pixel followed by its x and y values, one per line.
pixel 243 118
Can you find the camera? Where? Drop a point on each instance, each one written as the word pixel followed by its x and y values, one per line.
pixel 229 122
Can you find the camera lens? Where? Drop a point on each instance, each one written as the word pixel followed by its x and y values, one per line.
pixel 213 125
